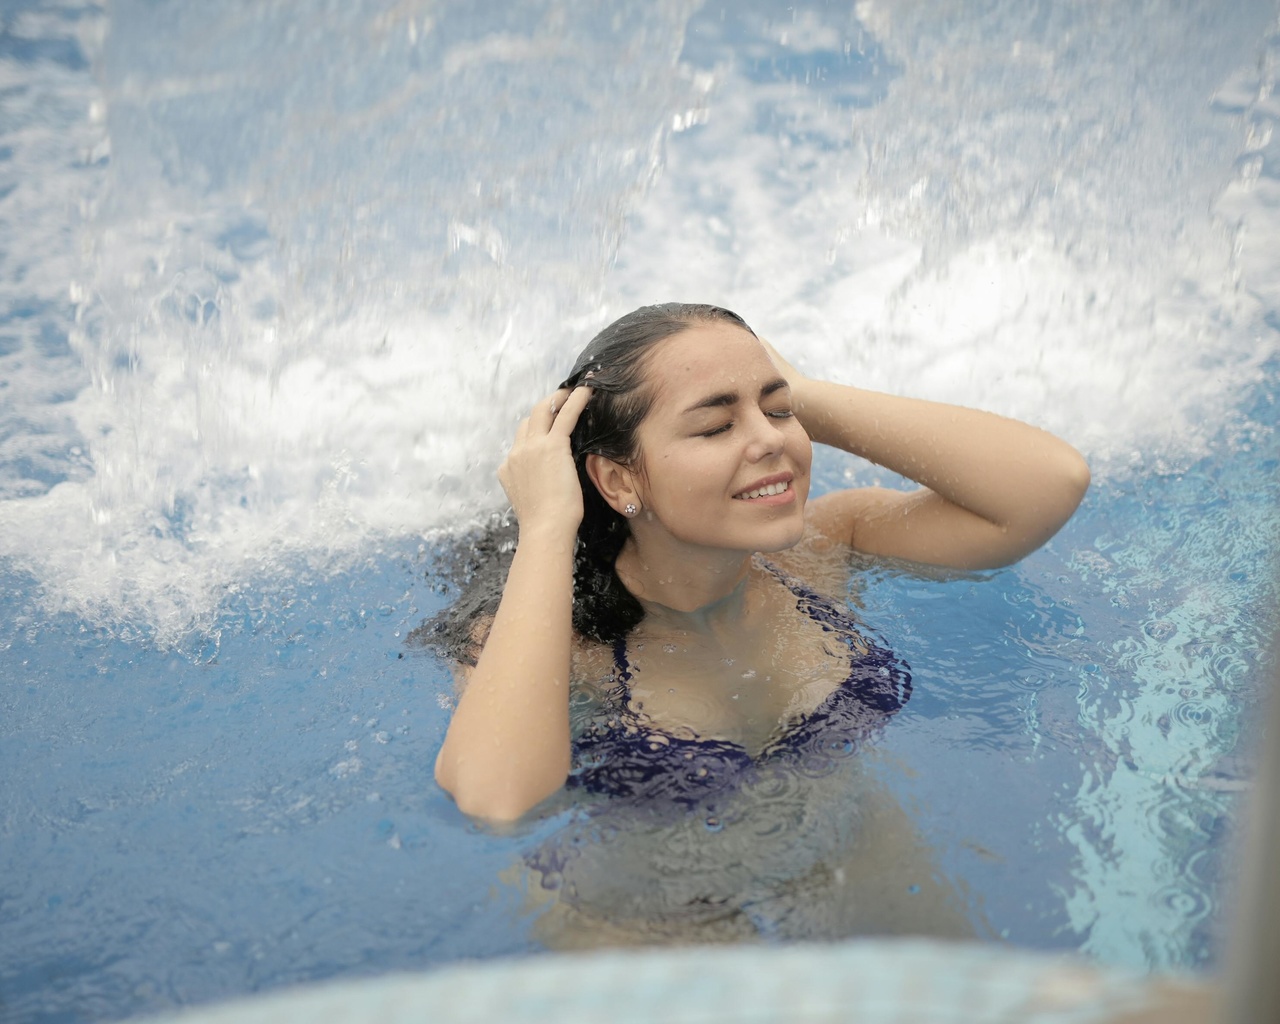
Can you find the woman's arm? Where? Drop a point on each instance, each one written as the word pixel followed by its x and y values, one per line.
pixel 993 489
pixel 507 746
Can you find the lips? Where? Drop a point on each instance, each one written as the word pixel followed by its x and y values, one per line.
pixel 769 487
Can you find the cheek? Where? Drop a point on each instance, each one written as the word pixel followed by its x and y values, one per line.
pixel 801 449
pixel 689 480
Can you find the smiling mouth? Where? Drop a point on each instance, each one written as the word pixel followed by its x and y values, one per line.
pixel 764 492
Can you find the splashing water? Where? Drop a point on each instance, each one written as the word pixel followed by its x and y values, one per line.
pixel 311 296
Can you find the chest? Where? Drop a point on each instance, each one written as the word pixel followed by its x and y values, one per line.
pixel 746 687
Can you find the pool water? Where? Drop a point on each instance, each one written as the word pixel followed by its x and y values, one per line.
pixel 277 280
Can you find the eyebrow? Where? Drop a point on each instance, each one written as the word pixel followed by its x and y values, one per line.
pixel 731 397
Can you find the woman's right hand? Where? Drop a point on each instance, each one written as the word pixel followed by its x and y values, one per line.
pixel 538 474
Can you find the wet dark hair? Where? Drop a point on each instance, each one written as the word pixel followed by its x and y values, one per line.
pixel 613 364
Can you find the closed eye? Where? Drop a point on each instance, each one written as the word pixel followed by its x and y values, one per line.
pixel 776 414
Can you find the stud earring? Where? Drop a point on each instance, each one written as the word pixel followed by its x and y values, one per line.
pixel 630 510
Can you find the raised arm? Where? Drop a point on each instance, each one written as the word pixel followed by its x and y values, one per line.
pixel 507 746
pixel 993 489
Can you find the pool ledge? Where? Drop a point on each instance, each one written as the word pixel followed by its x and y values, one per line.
pixel 867 981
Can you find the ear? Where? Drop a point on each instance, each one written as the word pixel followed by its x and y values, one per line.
pixel 615 482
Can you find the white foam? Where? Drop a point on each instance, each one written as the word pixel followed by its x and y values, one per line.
pixel 313 326
pixel 996 232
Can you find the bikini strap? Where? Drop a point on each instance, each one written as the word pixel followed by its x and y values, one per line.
pixel 880 678
pixel 813 604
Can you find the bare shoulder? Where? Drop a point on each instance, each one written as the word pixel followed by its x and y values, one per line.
pixel 822 559
pixel 838 515
pixel 920 527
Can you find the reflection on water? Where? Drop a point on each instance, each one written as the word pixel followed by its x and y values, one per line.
pixel 278 280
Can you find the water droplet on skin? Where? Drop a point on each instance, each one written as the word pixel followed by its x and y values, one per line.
pixel 749 674
pixel 668 648
pixel 733 696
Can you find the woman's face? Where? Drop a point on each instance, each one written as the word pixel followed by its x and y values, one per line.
pixel 723 461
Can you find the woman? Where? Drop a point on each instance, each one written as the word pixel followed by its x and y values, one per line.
pixel 693 613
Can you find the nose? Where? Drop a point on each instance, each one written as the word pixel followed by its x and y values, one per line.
pixel 766 437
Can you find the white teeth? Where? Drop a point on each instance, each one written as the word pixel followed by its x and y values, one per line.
pixel 764 491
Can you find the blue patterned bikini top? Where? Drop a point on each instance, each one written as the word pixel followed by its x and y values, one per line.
pixel 625 758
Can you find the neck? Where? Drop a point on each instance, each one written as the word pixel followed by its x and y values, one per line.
pixel 695 588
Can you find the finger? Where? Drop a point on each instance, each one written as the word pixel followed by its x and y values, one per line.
pixel 567 417
pixel 544 413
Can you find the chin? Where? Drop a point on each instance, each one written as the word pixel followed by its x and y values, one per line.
pixel 790 542
pixel 783 536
